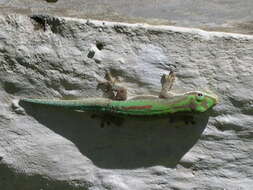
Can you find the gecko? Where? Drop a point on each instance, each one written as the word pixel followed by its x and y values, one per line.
pixel 117 103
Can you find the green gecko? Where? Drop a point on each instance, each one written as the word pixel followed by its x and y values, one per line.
pixel 117 102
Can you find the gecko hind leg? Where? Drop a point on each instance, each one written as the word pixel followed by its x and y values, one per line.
pixel 111 89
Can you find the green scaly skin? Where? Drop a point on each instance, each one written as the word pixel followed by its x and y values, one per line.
pixel 194 101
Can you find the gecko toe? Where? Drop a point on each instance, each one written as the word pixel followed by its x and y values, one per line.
pixel 102 125
pixel 193 122
pixel 93 116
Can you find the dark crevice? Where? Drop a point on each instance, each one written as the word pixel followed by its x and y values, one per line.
pixel 39 22
pixel 11 87
pixel 100 45
pixel 91 54
pixel 44 21
pixel 51 1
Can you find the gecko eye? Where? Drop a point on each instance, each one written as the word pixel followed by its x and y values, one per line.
pixel 200 96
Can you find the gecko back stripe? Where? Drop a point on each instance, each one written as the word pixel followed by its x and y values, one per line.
pixel 137 107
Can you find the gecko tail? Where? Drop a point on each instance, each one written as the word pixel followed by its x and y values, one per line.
pixel 82 104
pixel 44 101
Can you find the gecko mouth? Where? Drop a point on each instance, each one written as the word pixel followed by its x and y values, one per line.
pixel 215 100
pixel 213 96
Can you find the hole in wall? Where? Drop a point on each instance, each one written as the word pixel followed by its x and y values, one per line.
pixel 91 54
pixel 100 45
pixel 11 87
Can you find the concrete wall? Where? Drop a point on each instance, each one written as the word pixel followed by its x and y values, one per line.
pixel 49 148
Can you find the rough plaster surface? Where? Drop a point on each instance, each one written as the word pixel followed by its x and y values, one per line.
pixel 215 15
pixel 48 148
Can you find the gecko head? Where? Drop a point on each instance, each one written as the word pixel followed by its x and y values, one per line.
pixel 201 101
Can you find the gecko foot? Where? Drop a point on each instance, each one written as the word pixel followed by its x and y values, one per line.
pixel 171 120
pixel 189 120
pixel 178 120
pixel 167 82
pixel 102 119
pixel 107 120
pixel 102 124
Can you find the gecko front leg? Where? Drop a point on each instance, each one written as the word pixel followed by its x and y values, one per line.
pixel 167 83
pixel 111 89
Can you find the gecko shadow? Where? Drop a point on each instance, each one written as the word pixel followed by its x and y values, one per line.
pixel 135 144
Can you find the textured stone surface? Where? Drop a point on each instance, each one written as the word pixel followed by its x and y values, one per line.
pixel 215 15
pixel 48 148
